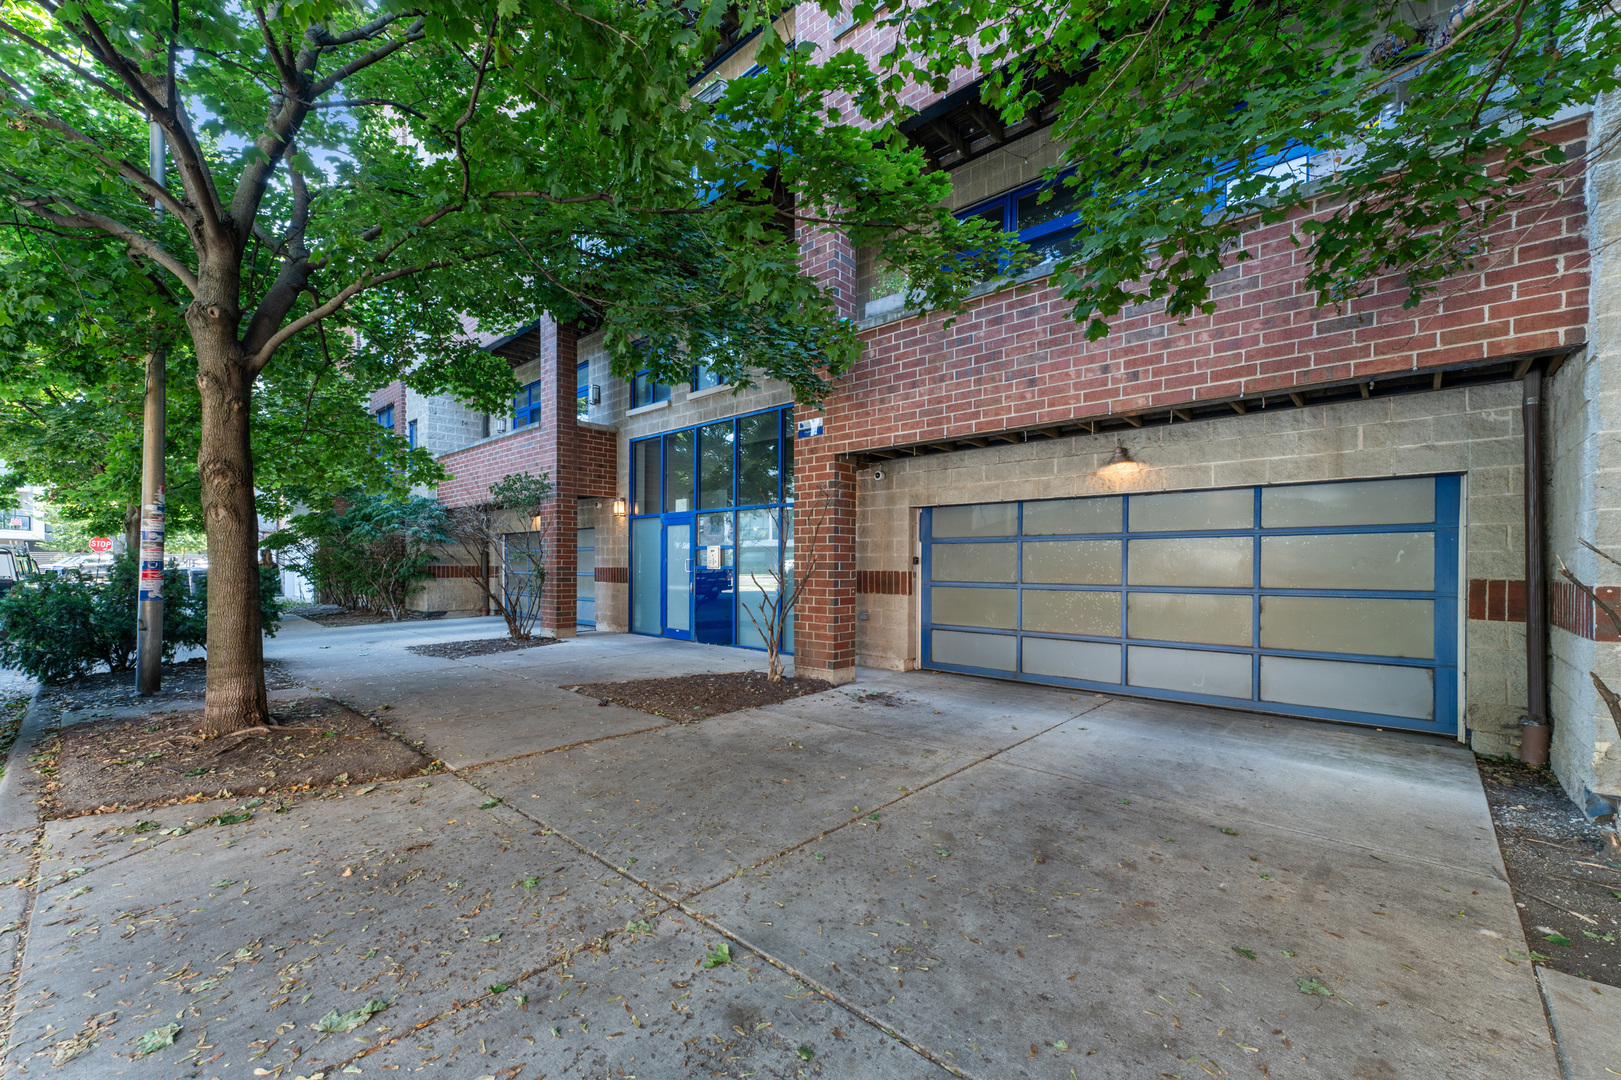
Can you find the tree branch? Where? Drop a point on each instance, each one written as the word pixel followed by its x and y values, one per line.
pixel 99 83
pixel 88 220
pixel 413 34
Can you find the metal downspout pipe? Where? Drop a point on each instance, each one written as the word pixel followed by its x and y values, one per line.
pixel 1535 729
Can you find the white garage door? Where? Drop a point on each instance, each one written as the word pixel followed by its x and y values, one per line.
pixel 1335 600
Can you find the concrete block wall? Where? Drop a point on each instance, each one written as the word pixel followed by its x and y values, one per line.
pixel 1582 409
pixel 1474 431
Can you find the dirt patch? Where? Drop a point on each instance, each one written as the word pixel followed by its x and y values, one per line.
pixel 124 763
pixel 1568 892
pixel 113 689
pixel 11 722
pixel 326 615
pixel 456 650
pixel 698 697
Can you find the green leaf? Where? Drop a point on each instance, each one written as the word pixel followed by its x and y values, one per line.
pixel 639 926
pixel 336 1023
pixel 488 803
pixel 491 937
pixel 720 954
pixel 1557 938
pixel 199 771
pixel 156 1039
pixel 498 988
pixel 1248 954
pixel 530 882
pixel 805 1053
pixel 235 818
pixel 1312 986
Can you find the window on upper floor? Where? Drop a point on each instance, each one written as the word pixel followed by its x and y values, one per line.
pixel 704 376
pixel 527 405
pixel 385 416
pixel 20 522
pixel 644 390
pixel 411 433
pixel 582 388
pixel 1041 215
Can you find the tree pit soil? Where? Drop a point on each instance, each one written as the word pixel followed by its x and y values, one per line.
pixel 330 615
pixel 1566 885
pixel 183 681
pixel 698 697
pixel 98 766
pixel 460 650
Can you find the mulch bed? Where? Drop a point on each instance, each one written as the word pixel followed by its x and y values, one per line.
pixel 457 650
pixel 698 697
pixel 326 615
pixel 119 764
pixel 1568 891
pixel 112 689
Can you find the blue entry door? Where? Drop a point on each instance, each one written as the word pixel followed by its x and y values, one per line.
pixel 714 588
pixel 678 568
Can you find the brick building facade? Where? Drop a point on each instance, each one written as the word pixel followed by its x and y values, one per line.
pixel 1010 406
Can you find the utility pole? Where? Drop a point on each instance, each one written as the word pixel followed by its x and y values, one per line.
pixel 149 616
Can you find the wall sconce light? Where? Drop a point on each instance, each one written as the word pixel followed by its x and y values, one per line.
pixel 596 395
pixel 619 508
pixel 1121 456
pixel 534 523
pixel 1120 464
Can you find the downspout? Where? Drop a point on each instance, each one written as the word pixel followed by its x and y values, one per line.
pixel 1535 731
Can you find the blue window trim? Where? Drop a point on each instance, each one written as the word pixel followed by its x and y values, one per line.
pixel 785 453
pixel 528 405
pixel 411 433
pixel 578 573
pixel 654 391
pixel 385 417
pixel 699 370
pixel 1058 228
pixel 1448 490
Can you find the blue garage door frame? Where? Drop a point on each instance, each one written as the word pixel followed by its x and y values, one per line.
pixel 1346 666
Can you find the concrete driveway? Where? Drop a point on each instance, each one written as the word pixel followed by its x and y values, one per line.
pixel 915 875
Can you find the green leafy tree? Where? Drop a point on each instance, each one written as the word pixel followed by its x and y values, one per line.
pixel 1175 116
pixel 480 531
pixel 367 551
pixel 395 175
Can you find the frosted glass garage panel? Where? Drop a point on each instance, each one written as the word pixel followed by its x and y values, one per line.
pixel 1072 562
pixel 1372 627
pixel 1094 661
pixel 985 519
pixel 1090 614
pixel 1205 562
pixel 1203 618
pixel 994 608
pixel 973 562
pixel 996 651
pixel 1385 689
pixel 1189 671
pixel 1193 511
pixel 1395 562
pixel 1057 517
pixel 1361 502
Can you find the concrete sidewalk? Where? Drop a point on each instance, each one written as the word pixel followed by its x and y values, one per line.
pixel 914 875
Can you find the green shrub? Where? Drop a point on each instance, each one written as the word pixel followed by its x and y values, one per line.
pixel 60 626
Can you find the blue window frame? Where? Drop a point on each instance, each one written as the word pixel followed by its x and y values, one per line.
pixel 645 391
pixel 704 376
pixel 582 388
pixel 1047 227
pixel 1334 600
pixel 528 405
pixel 411 433
pixel 724 492
pixel 385 417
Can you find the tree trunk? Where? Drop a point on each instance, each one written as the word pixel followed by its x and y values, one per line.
pixel 236 664
pixel 132 530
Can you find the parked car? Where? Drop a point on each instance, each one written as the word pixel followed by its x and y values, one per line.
pixel 15 564
pixel 94 565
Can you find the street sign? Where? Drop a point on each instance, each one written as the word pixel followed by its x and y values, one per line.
pixel 101 543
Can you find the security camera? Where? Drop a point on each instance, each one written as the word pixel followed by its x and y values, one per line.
pixel 878 474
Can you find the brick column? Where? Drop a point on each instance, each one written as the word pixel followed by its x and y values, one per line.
pixel 559 523
pixel 824 623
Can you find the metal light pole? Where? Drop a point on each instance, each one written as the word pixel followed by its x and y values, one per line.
pixel 149 617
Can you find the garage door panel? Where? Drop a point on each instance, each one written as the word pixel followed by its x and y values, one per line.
pixel 1206 562
pixel 997 609
pixel 1084 612
pixel 1338 624
pixel 1387 562
pixel 1337 600
pixel 998 652
pixel 1366 688
pixel 1188 671
pixel 1201 618
pixel 1088 661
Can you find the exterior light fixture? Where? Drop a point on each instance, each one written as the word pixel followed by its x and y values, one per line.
pixel 619 508
pixel 1120 465
pixel 1121 456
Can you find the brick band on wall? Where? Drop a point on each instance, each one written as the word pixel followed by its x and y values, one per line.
pixel 884 582
pixel 1496 600
pixel 619 575
pixel 1571 610
pixel 442 572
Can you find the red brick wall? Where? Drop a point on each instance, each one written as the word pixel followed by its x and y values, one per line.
pixel 392 394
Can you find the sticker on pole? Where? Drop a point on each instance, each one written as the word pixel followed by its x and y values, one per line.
pixel 152 538
pixel 101 544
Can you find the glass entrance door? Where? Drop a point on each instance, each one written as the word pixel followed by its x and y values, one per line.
pixel 678 569
pixel 714 590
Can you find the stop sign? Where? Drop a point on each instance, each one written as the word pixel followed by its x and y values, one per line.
pixel 101 543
